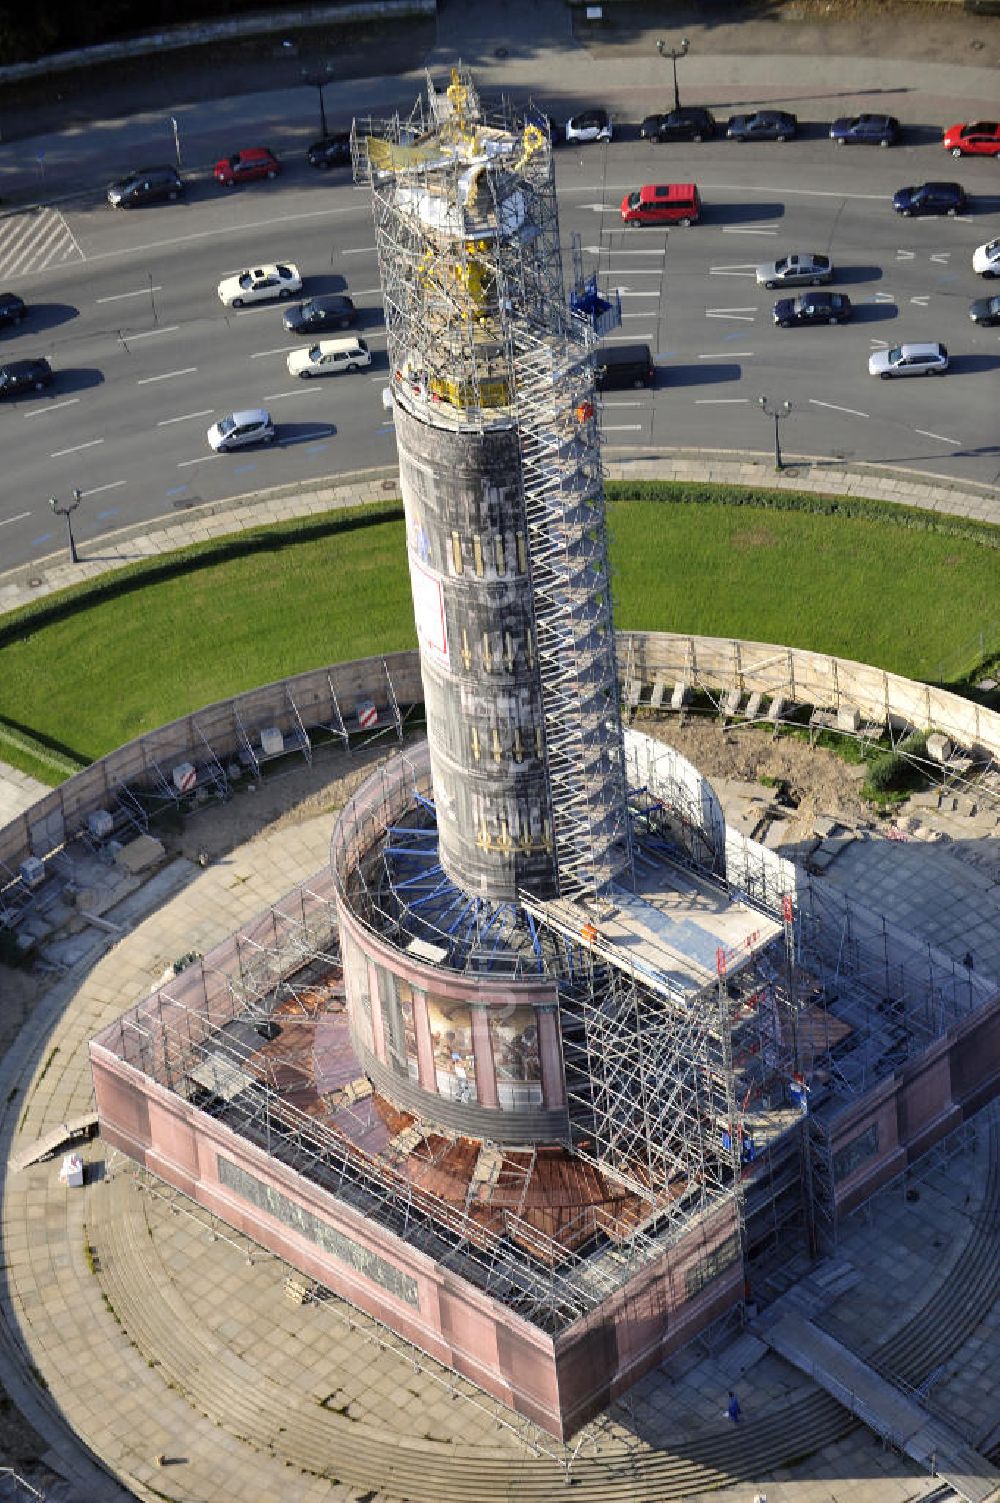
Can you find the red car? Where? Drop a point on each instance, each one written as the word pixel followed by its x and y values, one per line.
pixel 980 138
pixel 246 166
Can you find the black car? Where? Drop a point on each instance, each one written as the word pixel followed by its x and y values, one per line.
pixel 24 375
pixel 763 125
pixel 12 309
pixel 812 308
pixel 870 130
pixel 316 314
pixel 929 198
pixel 985 311
pixel 146 185
pixel 689 123
pixel 331 151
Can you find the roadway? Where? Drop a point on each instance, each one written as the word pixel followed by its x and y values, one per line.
pixel 124 307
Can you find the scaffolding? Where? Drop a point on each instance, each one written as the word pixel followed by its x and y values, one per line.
pixel 481 335
pixel 200 1037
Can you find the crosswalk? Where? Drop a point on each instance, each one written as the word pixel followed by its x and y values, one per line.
pixel 34 239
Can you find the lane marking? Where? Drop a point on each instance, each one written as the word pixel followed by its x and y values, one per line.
pixel 299 391
pixel 116 297
pixel 743 318
pixel 186 463
pixel 361 250
pixel 285 348
pixel 621 427
pixel 634 315
pixel 97 489
pixel 628 338
pixel 939 436
pixel 281 220
pixel 726 355
pixel 6 521
pixel 185 417
pixel 44 411
pixel 624 292
pixel 732 229
pixel 90 444
pixel 650 250
pixel 267 306
pixel 832 406
pixel 921 301
pixel 719 401
pixel 306 438
pixel 149 333
pixel 189 370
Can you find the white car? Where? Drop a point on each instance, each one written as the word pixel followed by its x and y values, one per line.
pixel 259 284
pixel 240 429
pixel 592 125
pixel 909 360
pixel 986 259
pixel 329 358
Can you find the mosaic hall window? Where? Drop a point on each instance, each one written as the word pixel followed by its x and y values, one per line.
pixel 515 1058
pixel 356 985
pixel 396 1000
pixel 451 1040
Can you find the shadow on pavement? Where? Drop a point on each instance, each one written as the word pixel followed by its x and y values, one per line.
pixel 698 375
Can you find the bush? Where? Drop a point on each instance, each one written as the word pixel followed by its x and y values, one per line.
pixel 893 774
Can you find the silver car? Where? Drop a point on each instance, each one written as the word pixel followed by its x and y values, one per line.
pixel 803 269
pixel 909 360
pixel 240 429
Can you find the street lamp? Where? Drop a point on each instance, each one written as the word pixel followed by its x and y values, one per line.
pixel 674 53
pixel 177 141
pixel 319 75
pixel 66 510
pixel 776 410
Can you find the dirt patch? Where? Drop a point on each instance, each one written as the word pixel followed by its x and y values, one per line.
pixel 814 780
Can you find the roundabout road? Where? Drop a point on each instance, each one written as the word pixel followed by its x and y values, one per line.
pixel 124 307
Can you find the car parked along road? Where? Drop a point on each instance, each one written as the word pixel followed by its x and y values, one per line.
pixel 246 167
pixel 868 130
pixel 980 138
pixel 689 123
pixel 909 360
pixel 146 185
pixel 763 125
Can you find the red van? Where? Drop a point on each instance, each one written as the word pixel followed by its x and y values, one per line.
pixel 662 203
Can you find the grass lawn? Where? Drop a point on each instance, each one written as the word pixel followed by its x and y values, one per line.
pixel 907 600
pixel 85 671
